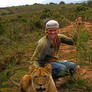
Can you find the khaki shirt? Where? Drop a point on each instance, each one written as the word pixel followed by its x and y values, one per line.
pixel 45 52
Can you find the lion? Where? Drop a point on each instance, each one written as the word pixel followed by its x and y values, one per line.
pixel 78 20
pixel 39 80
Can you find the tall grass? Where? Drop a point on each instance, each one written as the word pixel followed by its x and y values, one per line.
pixel 82 46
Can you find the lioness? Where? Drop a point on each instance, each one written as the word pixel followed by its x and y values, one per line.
pixel 40 80
pixel 78 20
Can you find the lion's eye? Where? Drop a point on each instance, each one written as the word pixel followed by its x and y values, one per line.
pixel 45 76
pixel 35 77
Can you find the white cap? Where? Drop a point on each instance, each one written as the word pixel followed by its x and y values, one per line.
pixel 52 24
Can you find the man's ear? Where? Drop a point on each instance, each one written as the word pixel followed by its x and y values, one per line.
pixel 48 68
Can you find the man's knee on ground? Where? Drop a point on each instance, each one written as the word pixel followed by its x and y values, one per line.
pixel 72 68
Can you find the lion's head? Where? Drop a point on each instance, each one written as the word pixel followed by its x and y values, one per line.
pixel 40 77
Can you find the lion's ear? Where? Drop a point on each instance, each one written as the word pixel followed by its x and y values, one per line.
pixel 32 69
pixel 48 68
pixel 25 82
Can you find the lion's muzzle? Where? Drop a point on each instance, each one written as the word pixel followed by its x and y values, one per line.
pixel 41 89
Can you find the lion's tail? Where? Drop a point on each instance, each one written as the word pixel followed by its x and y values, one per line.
pixel 14 82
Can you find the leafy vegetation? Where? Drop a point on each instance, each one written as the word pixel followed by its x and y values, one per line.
pixel 78 85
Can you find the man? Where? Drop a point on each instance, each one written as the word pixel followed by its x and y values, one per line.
pixel 48 47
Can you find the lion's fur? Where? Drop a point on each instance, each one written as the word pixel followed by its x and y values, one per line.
pixel 40 78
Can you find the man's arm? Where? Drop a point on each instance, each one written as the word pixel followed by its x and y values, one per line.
pixel 69 40
pixel 34 58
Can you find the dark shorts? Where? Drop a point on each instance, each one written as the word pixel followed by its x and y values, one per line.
pixel 62 68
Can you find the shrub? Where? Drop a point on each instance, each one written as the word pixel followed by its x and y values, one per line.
pixel 35 23
pixel 64 22
pixel 90 54
pixel 46 13
pixel 1 28
pixel 80 8
pixel 62 2
pixel 52 3
pixel 81 46
pixel 89 3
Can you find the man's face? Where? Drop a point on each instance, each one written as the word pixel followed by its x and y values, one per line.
pixel 52 33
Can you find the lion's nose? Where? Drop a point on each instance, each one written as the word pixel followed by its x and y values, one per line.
pixel 40 84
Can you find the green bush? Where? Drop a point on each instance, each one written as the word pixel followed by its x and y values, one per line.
pixel 35 23
pixel 46 13
pixel 1 28
pixel 89 3
pixel 81 46
pixel 62 2
pixel 64 22
pixel 90 54
pixel 81 8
